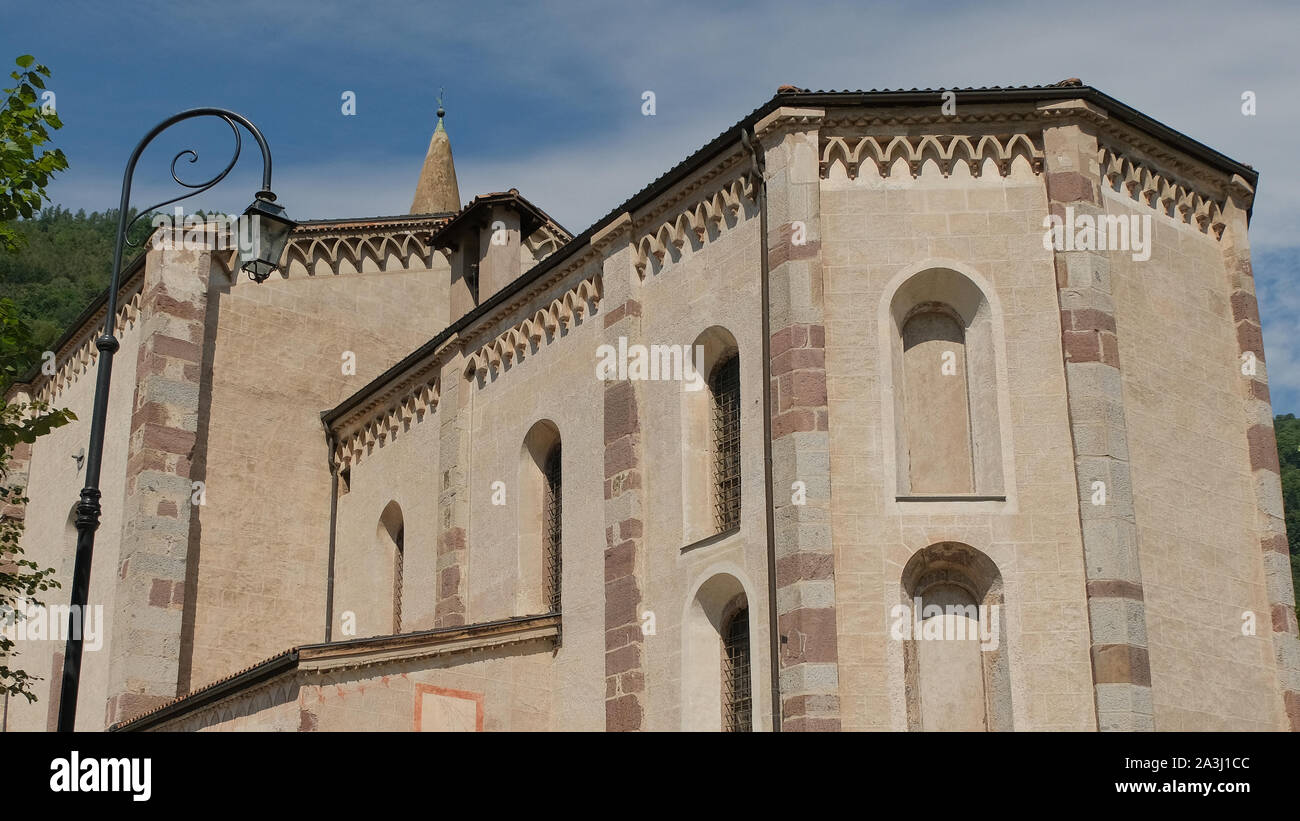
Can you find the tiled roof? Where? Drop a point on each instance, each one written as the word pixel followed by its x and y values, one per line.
pixel 371 222
pixel 286 656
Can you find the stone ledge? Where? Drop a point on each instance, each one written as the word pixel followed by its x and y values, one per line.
pixel 353 653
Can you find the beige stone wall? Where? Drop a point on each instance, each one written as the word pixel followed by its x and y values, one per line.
pixel 876 231
pixel 401 469
pixel 554 383
pixel 277 364
pixel 700 286
pixel 1192 486
pixel 636 497
pixel 50 536
pixel 557 382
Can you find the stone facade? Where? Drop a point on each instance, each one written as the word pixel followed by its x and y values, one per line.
pixel 366 426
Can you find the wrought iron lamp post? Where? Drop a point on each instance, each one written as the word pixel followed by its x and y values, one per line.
pixel 260 257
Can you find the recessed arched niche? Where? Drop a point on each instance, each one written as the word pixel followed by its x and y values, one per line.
pixel 956 668
pixel 947 430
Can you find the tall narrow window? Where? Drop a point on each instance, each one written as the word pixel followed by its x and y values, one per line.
pixel 471 281
pixel 392 540
pixel 540 532
pixel 552 527
pixel 399 540
pixel 724 385
pixel 736 697
pixel 473 259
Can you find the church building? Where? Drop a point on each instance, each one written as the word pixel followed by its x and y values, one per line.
pixel 883 410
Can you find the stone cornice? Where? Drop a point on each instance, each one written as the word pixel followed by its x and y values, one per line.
pixel 349 247
pixel 79 354
pixel 404 400
pixel 653 237
pixel 535 331
pixel 788 118
pixel 353 655
pixel 375 225
pixel 621 226
pixel 944 149
pixel 977 121
pixel 996 118
pixel 689 189
pixel 390 412
pixel 1155 189
pixel 526 296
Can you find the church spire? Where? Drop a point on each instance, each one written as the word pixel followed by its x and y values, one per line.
pixel 436 191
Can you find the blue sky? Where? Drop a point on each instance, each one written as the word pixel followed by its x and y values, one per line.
pixel 547 98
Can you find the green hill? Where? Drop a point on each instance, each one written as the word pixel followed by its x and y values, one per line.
pixel 65 262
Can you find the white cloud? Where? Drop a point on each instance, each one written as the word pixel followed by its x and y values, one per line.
pixel 1182 63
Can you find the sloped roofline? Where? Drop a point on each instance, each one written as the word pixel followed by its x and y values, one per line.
pixel 352 652
pixel 789 96
pixel 531 216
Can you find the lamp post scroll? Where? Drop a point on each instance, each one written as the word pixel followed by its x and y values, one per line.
pixel 260 257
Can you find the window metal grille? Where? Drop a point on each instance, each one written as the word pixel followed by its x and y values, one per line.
pixel 398 540
pixel 471 281
pixel 736 699
pixel 551 528
pixel 725 387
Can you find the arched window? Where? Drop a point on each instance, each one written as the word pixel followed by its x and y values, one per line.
pixel 724 391
pixel 541 521
pixel 717 687
pixel 399 556
pixel 552 527
pixel 711 455
pixel 392 539
pixel 737 700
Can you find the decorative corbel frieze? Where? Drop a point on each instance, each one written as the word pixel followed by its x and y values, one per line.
pixel 1156 189
pixel 712 211
pixel 945 149
pixel 517 341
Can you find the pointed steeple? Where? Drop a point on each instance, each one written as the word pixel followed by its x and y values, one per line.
pixel 437 191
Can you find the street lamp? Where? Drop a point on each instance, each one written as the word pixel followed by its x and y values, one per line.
pixel 260 258
pixel 270 233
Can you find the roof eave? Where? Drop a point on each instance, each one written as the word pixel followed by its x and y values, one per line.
pixel 728 138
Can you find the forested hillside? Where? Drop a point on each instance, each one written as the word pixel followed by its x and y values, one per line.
pixel 1288 453
pixel 64 264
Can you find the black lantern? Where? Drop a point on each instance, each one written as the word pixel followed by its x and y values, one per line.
pixel 261 246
